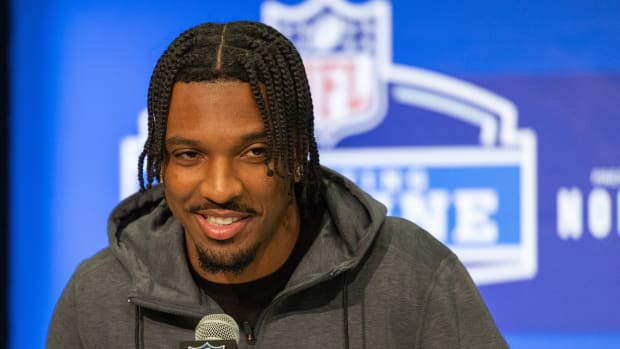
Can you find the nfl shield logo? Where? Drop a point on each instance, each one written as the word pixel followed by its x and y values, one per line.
pixel 346 49
pixel 207 346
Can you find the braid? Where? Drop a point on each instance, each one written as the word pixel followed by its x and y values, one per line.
pixel 280 48
pixel 305 123
pixel 258 97
pixel 248 52
pixel 159 93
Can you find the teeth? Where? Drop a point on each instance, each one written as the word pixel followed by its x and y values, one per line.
pixel 221 220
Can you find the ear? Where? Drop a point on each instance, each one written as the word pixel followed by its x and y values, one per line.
pixel 162 172
pixel 299 173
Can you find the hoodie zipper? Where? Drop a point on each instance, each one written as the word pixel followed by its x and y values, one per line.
pixel 249 332
pixel 252 332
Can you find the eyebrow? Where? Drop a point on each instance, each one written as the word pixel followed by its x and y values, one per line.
pixel 178 140
pixel 250 137
pixel 254 136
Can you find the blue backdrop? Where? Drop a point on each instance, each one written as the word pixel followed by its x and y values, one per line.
pixel 494 124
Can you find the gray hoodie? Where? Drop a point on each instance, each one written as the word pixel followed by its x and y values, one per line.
pixel 368 281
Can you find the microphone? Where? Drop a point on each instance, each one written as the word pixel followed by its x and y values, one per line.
pixel 214 331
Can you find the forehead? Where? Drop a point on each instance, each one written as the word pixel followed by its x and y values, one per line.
pixel 212 106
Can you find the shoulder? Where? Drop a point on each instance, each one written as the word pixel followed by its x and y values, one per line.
pixel 103 260
pixel 93 306
pixel 409 255
pixel 98 275
pixel 406 257
pixel 412 244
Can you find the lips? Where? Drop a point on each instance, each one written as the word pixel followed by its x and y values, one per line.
pixel 222 220
pixel 221 225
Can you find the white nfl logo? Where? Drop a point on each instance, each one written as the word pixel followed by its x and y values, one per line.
pixel 345 49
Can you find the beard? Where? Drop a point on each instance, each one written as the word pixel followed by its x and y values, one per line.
pixel 233 262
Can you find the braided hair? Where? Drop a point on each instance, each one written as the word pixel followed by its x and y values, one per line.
pixel 249 52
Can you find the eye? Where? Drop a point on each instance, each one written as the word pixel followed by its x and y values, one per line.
pixel 188 154
pixel 186 157
pixel 256 153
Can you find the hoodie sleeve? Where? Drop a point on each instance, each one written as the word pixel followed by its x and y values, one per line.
pixel 63 329
pixel 455 316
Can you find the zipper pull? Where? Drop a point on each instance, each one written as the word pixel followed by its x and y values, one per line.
pixel 249 332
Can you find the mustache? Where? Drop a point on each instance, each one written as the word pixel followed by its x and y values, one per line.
pixel 229 206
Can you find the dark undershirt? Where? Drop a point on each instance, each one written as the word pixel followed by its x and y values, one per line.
pixel 245 301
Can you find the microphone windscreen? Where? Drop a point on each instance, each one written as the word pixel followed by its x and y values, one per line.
pixel 217 327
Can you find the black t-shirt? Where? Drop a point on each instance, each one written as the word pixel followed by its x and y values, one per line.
pixel 245 301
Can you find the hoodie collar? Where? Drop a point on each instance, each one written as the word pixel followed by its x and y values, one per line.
pixel 149 242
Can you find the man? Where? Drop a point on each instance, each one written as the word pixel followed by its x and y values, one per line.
pixel 244 221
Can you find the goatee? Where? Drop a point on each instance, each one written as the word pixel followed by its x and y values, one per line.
pixel 234 263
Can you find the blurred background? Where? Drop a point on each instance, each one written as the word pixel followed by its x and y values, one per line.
pixel 495 125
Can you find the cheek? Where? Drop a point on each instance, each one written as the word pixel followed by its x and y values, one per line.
pixel 178 185
pixel 269 191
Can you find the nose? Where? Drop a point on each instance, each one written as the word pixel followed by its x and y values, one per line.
pixel 221 182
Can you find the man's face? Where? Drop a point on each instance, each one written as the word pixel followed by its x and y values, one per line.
pixel 240 224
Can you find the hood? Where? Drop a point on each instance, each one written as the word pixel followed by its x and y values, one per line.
pixel 351 223
pixel 148 241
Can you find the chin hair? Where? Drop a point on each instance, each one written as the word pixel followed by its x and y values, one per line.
pixel 234 262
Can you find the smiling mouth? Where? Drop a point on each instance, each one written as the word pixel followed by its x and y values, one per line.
pixel 221 225
pixel 222 220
